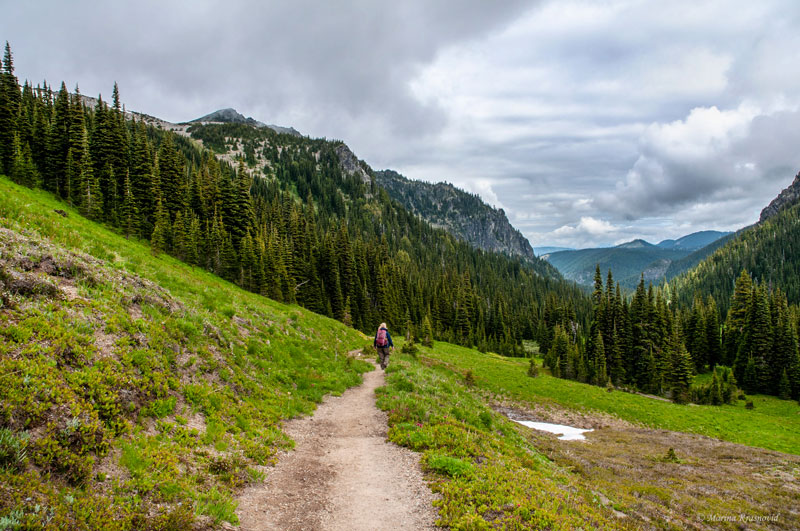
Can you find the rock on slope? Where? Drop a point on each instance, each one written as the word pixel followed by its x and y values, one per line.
pixel 788 197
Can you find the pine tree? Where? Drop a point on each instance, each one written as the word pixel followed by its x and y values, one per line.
pixel 180 237
pixel 9 108
pixel 736 319
pixel 427 332
pixel 600 370
pixel 784 387
pixel 715 391
pixel 91 197
pixel 756 341
pixel 712 333
pixel 159 241
pixel 55 176
pixel 596 325
pixel 22 168
pixel 129 213
pixel 680 374
pixel 617 366
pixel 193 242
pixel 749 377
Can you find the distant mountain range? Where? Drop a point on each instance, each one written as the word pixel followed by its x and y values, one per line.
pixel 628 261
pixel 694 241
pixel 539 251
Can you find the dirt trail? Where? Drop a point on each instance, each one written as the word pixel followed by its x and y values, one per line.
pixel 342 474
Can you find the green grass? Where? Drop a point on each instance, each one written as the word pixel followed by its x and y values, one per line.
pixel 144 389
pixel 488 475
pixel 773 424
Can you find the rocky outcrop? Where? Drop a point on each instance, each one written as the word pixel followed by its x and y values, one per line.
pixel 788 197
pixel 350 163
pixel 462 214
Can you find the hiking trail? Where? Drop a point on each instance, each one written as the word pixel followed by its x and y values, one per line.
pixel 342 474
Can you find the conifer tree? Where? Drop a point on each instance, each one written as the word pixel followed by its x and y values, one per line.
pixel 680 376
pixel 180 237
pixel 9 108
pixel 193 242
pixel 91 204
pixel 784 388
pixel 427 331
pixel 129 213
pixel 617 366
pixel 601 372
pixel 736 319
pixel 749 377
pixel 715 397
pixel 159 241
pixel 712 333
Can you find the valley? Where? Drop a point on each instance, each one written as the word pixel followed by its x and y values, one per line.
pixel 186 322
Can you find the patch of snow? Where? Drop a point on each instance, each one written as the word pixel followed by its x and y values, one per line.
pixel 567 433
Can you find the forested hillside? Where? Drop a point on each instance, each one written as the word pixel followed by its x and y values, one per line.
pixel 462 214
pixel 300 229
pixel 769 251
pixel 653 345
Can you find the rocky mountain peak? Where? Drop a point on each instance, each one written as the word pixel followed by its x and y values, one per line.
pixel 232 116
pixel 350 163
pixel 462 214
pixel 788 197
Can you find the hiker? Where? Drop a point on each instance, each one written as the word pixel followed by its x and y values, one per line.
pixel 383 342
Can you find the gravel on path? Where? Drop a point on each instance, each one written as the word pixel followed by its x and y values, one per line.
pixel 342 475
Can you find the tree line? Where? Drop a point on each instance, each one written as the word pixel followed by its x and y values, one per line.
pixel 301 231
pixel 654 346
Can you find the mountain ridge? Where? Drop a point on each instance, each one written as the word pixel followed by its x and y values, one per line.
pixel 628 261
pixel 788 197
pixel 231 115
pixel 462 214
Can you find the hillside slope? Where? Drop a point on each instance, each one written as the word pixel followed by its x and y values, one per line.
pixel 136 391
pixel 769 251
pixel 694 241
pixel 626 261
pixel 462 214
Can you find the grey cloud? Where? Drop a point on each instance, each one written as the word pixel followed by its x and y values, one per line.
pixel 556 110
pixel 317 62
pixel 753 167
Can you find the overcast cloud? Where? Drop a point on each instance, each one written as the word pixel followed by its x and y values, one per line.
pixel 591 123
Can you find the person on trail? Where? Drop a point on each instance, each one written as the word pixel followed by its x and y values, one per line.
pixel 383 342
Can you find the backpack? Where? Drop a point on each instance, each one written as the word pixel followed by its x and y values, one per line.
pixel 381 340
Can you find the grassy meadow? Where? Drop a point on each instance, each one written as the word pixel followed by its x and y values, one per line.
pixel 450 403
pixel 773 424
pixel 137 392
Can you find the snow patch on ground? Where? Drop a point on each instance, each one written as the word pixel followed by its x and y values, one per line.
pixel 567 433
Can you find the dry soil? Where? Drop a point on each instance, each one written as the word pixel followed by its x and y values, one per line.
pixel 342 474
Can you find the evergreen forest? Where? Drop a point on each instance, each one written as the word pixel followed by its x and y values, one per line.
pixel 651 345
pixel 301 230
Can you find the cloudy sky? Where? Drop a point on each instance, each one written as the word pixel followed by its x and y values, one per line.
pixel 589 122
